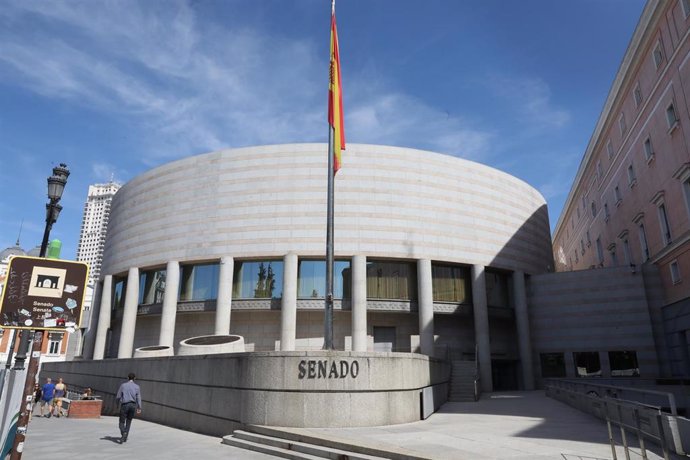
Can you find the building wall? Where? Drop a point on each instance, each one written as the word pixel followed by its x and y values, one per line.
pixel 591 311
pixel 270 200
pixel 660 178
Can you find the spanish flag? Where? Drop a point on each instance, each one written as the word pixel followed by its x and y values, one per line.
pixel 335 97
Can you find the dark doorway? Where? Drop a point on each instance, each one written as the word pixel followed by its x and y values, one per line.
pixel 504 375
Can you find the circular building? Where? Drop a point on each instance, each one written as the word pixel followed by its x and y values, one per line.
pixel 431 254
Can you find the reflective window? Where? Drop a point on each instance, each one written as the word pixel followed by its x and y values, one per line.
pixel 624 364
pixel 451 283
pixel 312 279
pixel 587 364
pixel 151 287
pixel 254 279
pixel 498 289
pixel 552 365
pixel 391 280
pixel 118 300
pixel 199 282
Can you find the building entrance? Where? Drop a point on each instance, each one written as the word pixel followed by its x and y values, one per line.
pixel 504 374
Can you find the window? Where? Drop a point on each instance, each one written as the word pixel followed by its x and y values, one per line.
pixel 118 300
pixel 612 253
pixel 658 55
pixel 600 170
pixel 621 123
pixel 632 179
pixel 498 289
pixel 582 246
pixel 451 283
pixel 643 242
pixel 589 239
pixel 151 287
pixel 552 365
pixel 600 252
pixel 637 95
pixel 311 279
pixel 577 259
pixel 594 209
pixel 54 342
pixel 686 192
pixel 671 117
pixel 663 222
pixel 606 212
pixel 199 282
pixel 587 364
pixel 626 252
pixel 648 150
pixel 391 280
pixel 624 364
pixel 609 149
pixel 675 272
pixel 258 279
pixel 617 195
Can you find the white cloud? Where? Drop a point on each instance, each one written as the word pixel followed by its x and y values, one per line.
pixel 530 99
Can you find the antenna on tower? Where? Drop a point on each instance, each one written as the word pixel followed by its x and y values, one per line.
pixel 20 232
pixel 112 177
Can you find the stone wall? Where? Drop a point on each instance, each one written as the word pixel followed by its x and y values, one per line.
pixel 214 394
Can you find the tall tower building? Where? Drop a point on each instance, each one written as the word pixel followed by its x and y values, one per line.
pixel 94 226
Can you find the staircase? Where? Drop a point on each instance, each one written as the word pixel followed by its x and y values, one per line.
pixel 462 381
pixel 295 444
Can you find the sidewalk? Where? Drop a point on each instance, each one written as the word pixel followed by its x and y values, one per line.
pixel 513 426
pixel 525 425
pixel 77 439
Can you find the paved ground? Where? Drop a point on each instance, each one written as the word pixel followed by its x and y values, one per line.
pixel 86 439
pixel 515 426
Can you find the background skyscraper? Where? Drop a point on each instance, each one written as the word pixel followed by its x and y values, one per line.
pixel 94 226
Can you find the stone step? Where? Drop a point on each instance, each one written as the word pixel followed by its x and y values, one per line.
pixel 301 447
pixel 266 449
pixel 359 447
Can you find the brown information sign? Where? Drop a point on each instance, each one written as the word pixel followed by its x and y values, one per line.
pixel 43 294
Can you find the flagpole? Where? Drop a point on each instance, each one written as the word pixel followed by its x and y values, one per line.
pixel 328 315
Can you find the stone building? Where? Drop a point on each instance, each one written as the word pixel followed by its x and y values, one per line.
pixel 629 205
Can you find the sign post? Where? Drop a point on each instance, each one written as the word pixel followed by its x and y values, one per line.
pixel 40 295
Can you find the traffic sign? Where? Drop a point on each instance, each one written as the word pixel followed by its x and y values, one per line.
pixel 43 294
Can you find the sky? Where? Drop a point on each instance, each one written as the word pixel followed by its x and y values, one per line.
pixel 115 88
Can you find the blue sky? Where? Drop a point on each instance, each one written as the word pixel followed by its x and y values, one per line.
pixel 118 87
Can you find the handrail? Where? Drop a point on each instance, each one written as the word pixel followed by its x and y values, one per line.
pixel 477 376
pixel 670 396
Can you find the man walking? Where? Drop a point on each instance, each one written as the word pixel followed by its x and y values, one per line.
pixel 47 397
pixel 129 396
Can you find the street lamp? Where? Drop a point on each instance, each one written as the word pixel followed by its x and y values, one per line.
pixel 56 185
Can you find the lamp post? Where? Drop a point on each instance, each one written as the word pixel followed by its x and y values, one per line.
pixel 56 185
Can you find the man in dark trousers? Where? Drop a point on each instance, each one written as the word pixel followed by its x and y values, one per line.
pixel 129 396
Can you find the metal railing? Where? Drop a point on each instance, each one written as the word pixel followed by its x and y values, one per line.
pixel 647 421
pixel 477 375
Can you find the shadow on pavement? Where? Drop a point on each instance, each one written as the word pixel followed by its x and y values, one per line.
pixel 114 439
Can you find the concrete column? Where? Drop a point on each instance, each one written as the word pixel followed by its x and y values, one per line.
pixel 103 318
pixel 481 326
pixel 684 353
pixel 425 295
pixel 523 335
pixel 359 303
pixel 92 322
pixel 169 311
pixel 224 302
pixel 129 317
pixel 288 307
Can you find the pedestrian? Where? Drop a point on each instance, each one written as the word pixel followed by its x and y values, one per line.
pixel 37 398
pixel 129 396
pixel 47 397
pixel 60 392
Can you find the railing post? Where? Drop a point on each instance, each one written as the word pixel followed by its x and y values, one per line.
pixel 623 436
pixel 662 438
pixel 612 442
pixel 638 429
